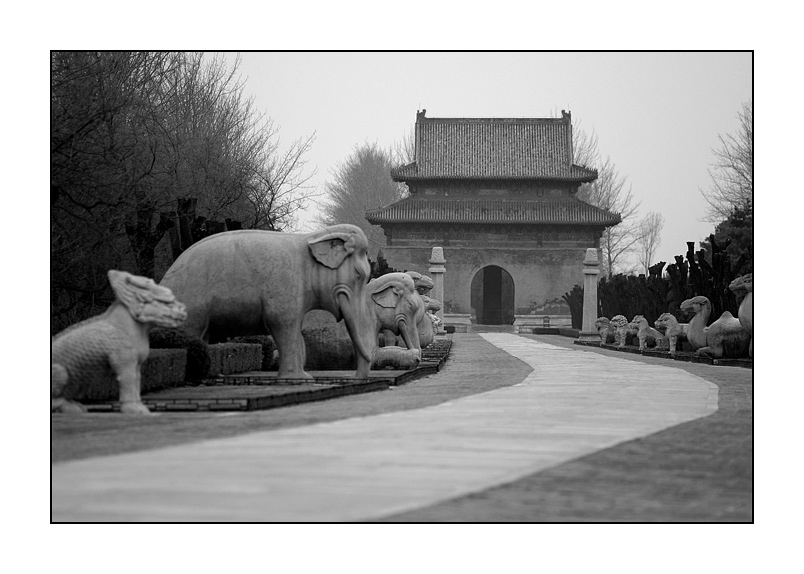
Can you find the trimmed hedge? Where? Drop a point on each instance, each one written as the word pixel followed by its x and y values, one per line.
pixel 327 343
pixel 164 368
pixel 268 348
pixel 198 363
pixel 230 358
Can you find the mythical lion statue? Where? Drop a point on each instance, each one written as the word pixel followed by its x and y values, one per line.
pixel 606 330
pixel 646 334
pixel 622 328
pixel 112 346
pixel 673 330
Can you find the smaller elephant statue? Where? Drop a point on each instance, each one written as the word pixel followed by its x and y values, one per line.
pixel 430 323
pixel 646 333
pixel 606 330
pixel 673 330
pixel 112 346
pixel 395 309
pixel 745 285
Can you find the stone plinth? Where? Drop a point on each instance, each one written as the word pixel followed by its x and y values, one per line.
pixel 461 321
pixel 591 270
pixel 526 323
pixel 437 271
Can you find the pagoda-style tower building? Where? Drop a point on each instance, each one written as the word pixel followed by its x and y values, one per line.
pixel 499 195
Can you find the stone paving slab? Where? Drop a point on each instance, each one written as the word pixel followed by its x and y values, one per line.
pixel 699 471
pixel 572 404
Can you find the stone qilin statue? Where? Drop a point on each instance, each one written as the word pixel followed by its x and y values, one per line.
pixel 606 330
pixel 673 330
pixel 621 329
pixel 112 346
pixel 646 333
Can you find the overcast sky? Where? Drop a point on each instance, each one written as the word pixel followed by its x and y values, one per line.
pixel 657 115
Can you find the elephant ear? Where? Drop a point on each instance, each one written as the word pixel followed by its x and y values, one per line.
pixel 331 248
pixel 388 297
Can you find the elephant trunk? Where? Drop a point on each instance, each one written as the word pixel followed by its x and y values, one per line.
pixel 409 332
pixel 360 332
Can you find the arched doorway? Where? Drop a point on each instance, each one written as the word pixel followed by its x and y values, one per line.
pixel 492 296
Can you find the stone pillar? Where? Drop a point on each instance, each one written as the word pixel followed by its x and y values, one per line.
pixel 437 273
pixel 591 269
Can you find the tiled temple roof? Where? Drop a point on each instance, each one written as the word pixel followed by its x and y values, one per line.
pixel 417 209
pixel 494 148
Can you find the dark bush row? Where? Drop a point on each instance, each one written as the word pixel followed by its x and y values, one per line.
pixel 164 368
pixel 197 354
pixel 230 358
pixel 269 362
pixel 655 294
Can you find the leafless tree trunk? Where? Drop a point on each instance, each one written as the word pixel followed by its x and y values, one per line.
pixel 650 237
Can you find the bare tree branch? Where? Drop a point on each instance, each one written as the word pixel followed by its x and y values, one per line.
pixel 732 171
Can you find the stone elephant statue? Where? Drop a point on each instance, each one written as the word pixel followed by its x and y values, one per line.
pixel 426 326
pixel 397 309
pixel 252 282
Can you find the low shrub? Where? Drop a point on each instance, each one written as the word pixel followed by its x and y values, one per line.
pixel 198 364
pixel 164 368
pixel 327 343
pixel 230 358
pixel 269 363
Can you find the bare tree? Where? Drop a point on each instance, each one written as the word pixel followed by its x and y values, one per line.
pixel 650 237
pixel 405 149
pixel 133 133
pixel 360 183
pixel 732 171
pixel 609 192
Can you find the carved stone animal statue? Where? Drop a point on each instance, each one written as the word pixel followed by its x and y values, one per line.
pixel 113 346
pixel 673 330
pixel 622 328
pixel 646 333
pixel 606 330
pixel 745 285
pixel 398 358
pixel 254 282
pixel 428 325
pixel 394 308
pixel 723 338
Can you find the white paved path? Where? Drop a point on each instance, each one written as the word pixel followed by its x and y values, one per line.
pixel 572 404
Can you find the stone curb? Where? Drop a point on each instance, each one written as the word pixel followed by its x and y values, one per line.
pixel 328 388
pixel 679 356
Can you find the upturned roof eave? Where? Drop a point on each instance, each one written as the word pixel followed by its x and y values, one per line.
pixel 399 175
pixel 382 215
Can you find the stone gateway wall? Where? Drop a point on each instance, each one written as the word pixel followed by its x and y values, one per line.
pixel 539 275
